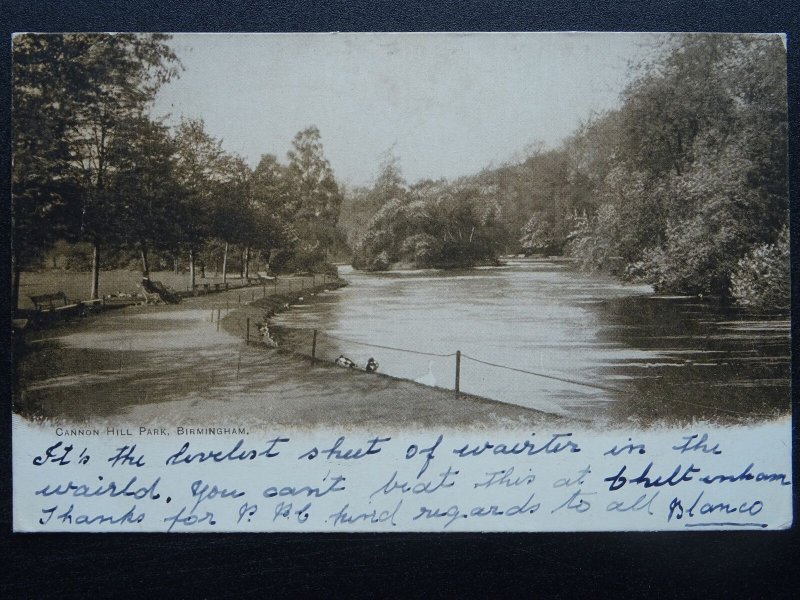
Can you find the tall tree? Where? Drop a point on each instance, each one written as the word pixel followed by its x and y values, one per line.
pixel 234 218
pixel 273 206
pixel 90 88
pixel 146 188
pixel 316 196
pixel 199 156
pixel 44 196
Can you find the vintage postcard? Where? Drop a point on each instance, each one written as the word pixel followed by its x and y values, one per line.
pixel 400 282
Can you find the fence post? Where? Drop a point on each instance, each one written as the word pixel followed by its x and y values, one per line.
pixel 276 285
pixel 247 334
pixel 314 347
pixel 212 315
pixel 218 310
pixel 458 372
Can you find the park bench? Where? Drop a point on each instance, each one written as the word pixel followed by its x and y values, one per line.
pixel 51 302
pixel 58 304
pixel 211 287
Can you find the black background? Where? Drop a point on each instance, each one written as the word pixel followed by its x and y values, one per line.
pixel 659 565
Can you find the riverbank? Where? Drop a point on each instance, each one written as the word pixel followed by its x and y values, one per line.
pixel 152 366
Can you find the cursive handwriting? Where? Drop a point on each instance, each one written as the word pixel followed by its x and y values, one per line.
pixel 184 457
pixel 110 489
pixel 553 446
pixel 336 452
pixel 420 487
pixel 679 475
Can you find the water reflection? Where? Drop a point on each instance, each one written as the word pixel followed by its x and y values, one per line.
pixel 711 360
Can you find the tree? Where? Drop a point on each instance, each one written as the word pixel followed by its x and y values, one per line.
pixel 119 76
pixel 435 224
pixel 537 235
pixel 44 198
pixel 696 169
pixel 360 205
pixel 315 194
pixel 199 157
pixel 234 220
pixel 762 278
pixel 272 206
pixel 90 89
pixel 146 187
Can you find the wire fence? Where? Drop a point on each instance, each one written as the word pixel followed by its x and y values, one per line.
pixel 418 352
pixel 322 346
pixel 313 340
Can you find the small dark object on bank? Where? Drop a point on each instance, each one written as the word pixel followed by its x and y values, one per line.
pixel 343 361
pixel 372 365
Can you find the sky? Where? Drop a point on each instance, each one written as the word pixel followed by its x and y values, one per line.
pixel 446 105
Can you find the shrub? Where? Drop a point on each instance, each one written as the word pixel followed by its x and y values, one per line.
pixel 762 278
pixel 380 262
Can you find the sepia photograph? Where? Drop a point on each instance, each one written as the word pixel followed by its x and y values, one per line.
pixel 457 313
pixel 224 233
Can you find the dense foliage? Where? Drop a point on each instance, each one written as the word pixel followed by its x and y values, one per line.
pixel 682 186
pixel 430 224
pixel 762 278
pixel 93 170
pixel 697 177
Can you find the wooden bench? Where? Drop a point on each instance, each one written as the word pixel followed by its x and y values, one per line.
pixel 53 303
pixel 58 303
pixel 210 287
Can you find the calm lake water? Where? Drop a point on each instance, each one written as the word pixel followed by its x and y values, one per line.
pixel 600 349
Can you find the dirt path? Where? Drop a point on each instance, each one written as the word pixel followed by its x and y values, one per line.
pixel 174 366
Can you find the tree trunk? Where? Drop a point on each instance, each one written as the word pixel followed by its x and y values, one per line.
pixel 175 265
pixel 95 270
pixel 202 270
pixel 191 270
pixel 145 265
pixel 225 264
pixel 241 266
pixel 247 262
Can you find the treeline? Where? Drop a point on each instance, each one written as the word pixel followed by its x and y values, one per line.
pixel 92 168
pixel 684 186
pixel 428 224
